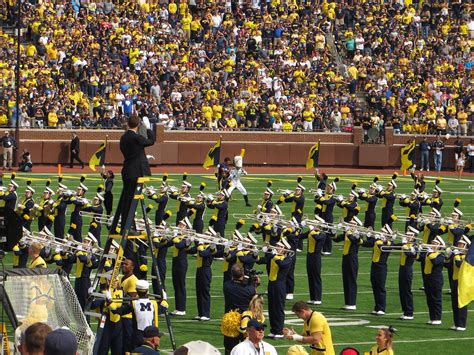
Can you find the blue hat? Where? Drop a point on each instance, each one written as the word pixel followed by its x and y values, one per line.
pixel 60 341
pixel 255 323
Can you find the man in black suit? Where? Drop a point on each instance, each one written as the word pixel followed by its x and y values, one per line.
pixel 75 148
pixel 135 164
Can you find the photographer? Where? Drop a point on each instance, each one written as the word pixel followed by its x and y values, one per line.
pixel 238 293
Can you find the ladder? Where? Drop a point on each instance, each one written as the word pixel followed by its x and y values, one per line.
pixel 117 258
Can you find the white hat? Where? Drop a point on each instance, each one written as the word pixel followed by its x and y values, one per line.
pixel 413 230
pixel 301 187
pixel 185 183
pixel 357 220
pixel 238 161
pixel 199 347
pixel 13 183
pixel 48 190
pixel 29 188
pixel 284 244
pixel 238 236
pixel 438 189
pixel 439 240
pixel 186 222
pixel 465 239
pixel 91 237
pixel 386 229
pixel 99 196
pixel 393 183
pixel 458 211
pixel 435 212
pixel 268 191
pixel 353 193
pixel 224 192
pixel 62 186
pixel 142 285
pixel 82 186
pixel 333 185
pixel 251 238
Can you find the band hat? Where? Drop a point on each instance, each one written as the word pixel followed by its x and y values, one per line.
pixel 294 222
pixel 115 244
pixel 62 186
pixel 386 229
pixel 393 183
pixel 186 222
pixel 45 231
pixel 187 184
pixel 211 232
pixel 29 188
pixel 413 230
pixel 439 240
pixel 353 193
pixel 251 238
pixel 465 239
pixel 91 237
pixel 319 219
pixel 457 211
pixel 143 285
pixel 357 221
pixel 438 189
pixel 100 197
pixel 284 244
pixel 301 187
pixel 277 209
pixel 48 190
pixel 268 191
pixel 435 212
pixel 223 192
pixel 82 186
pixel 333 186
pixel 13 183
pixel 238 236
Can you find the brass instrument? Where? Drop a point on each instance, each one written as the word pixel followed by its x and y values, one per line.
pixel 277 250
pixel 285 192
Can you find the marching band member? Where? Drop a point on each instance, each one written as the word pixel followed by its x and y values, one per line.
pixel 266 205
pixel 246 257
pixel 230 252
pixel 108 177
pixel 59 208
pixel 179 268
pixel 297 199
pixel 96 208
pixel 316 239
pixel 235 174
pixel 350 207
pixel 378 268
pixel 435 201
pixel 25 208
pixel 34 252
pixel 45 208
pixel 10 196
pixel 388 199
pixel 220 204
pixel 222 174
pixel 405 273
pixel 86 261
pixel 144 311
pixel 182 197
pixel 198 208
pixel 456 258
pixel 316 330
pixel 278 266
pixel 291 234
pixel 327 203
pixel 161 245
pixel 79 201
pixel 322 180
pixel 433 280
pixel 64 257
pixel 162 200
pixel 128 283
pixel 412 204
pixel 20 255
pixel 419 181
pixel 350 263
pixel 371 203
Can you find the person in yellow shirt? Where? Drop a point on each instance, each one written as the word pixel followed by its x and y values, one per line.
pixel 316 330
pixel 36 260
pixel 384 341
pixel 52 118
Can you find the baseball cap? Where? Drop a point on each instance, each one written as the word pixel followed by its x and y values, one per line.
pixel 60 341
pixel 255 323
pixel 152 331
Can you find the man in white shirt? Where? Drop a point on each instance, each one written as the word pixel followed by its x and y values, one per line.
pixel 254 343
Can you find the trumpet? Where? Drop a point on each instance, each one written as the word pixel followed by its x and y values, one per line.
pixel 327 226
pixel 285 192
pixel 68 193
pixel 186 199
pixel 149 191
pixel 317 192
pixel 268 248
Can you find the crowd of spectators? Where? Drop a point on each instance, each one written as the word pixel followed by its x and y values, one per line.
pixel 247 64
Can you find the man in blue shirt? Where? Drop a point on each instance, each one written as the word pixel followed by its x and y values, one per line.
pixel 151 341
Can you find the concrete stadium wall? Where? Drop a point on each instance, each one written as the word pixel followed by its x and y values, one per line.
pixel 262 148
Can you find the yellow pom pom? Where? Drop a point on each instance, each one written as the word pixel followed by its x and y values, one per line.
pixel 144 268
pixel 230 324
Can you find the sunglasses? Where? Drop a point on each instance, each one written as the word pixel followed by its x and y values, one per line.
pixel 259 329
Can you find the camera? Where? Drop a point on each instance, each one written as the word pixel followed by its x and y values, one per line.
pixel 251 277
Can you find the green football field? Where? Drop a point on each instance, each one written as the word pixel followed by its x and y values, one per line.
pixel 349 328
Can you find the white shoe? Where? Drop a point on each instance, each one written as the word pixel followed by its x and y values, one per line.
pixel 421 169
pixel 404 317
pixel 271 336
pixel 453 327
pixel 434 322
pixel 380 313
pixel 349 308
pixel 460 329
pixel 326 253
pixel 178 313
pixel 313 302
pixel 299 250
pixel 428 169
pixel 289 296
pixel 205 319
pixel 197 318
pixel 278 336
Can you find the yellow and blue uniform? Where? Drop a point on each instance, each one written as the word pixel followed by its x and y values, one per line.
pixel 112 333
pixel 317 323
pixel 405 278
pixel 378 274
pixel 388 199
pixel 327 202
pixel 433 283
pixel 371 204
pixel 459 314
pixel 182 211
pixel 129 287
pixel 220 215
pixel 179 267
pixel 85 263
pixel 204 258
pixel 59 217
pixel 313 262
pixel 37 263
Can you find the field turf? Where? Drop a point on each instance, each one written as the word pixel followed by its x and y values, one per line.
pixel 356 328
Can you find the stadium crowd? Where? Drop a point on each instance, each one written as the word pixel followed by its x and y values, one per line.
pixel 229 65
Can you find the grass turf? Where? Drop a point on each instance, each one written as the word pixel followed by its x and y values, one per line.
pixel 357 328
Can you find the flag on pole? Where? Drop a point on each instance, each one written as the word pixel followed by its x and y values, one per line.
pixel 98 158
pixel 213 155
pixel 407 155
pixel 466 279
pixel 313 157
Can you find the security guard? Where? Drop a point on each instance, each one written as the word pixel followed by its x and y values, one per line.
pixel 433 280
pixel 25 208
pixel 45 208
pixel 96 208
pixel 10 196
pixel 37 262
pixel 128 284
pixel 350 263
pixel 378 268
pixel 371 203
pixel 388 199
pixel 204 257
pixel 350 207
pixel 179 268
pixel 198 208
pixel 405 273
pixel 182 197
pixel 316 239
pixel 79 201
pixel 278 265
pixel 59 208
pixel 456 258
pixel 327 203
pixel 162 200
pixel 220 204
pixel 86 261
pixel 412 205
